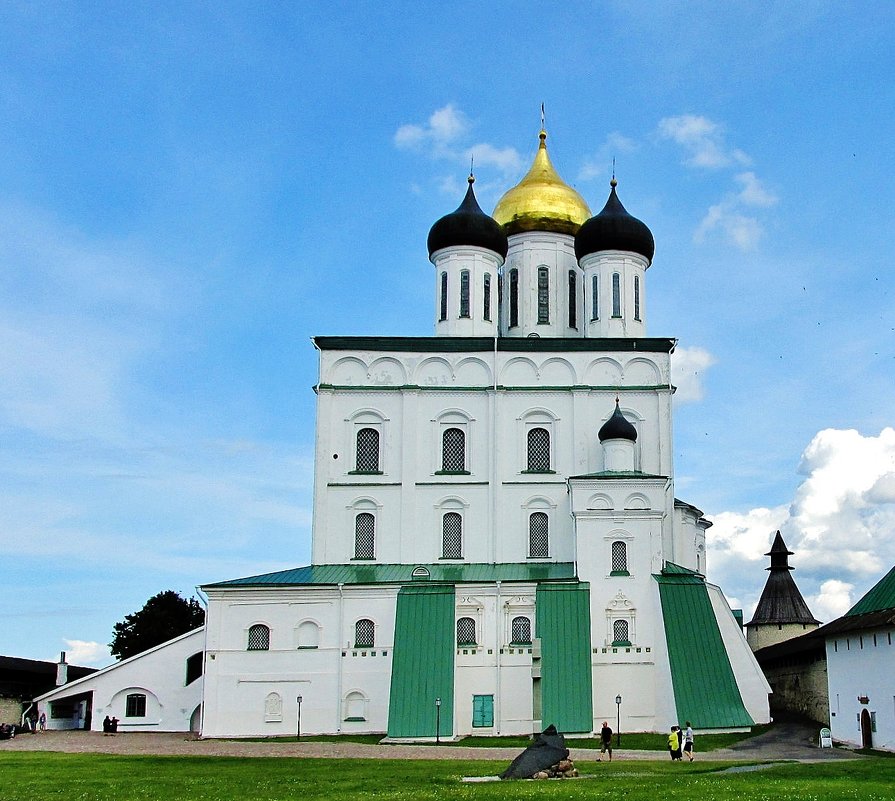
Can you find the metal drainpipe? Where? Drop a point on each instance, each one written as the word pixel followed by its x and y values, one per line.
pixel 497 630
pixel 339 657
pixel 204 658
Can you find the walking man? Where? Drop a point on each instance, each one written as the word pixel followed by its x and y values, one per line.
pixel 606 740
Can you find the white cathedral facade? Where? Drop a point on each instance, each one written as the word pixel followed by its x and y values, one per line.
pixel 497 545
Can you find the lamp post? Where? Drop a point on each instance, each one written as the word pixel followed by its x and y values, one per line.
pixel 437 721
pixel 298 725
pixel 618 720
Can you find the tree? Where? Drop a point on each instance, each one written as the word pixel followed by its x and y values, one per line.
pixel 163 617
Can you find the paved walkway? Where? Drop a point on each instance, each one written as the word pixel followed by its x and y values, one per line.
pixel 785 741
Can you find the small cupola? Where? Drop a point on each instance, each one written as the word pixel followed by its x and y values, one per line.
pixel 468 226
pixel 614 229
pixel 618 437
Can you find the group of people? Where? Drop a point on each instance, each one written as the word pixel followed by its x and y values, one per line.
pixel 110 725
pixel 680 742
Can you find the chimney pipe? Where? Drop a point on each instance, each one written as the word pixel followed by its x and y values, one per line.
pixel 61 671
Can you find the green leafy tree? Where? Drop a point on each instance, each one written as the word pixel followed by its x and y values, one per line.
pixel 163 617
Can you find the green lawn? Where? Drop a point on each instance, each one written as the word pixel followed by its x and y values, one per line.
pixel 94 777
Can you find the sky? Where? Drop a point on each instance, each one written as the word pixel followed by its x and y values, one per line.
pixel 190 192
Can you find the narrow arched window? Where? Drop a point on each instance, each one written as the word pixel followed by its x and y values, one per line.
pixel 367 460
pixel 616 295
pixel 466 631
pixel 595 298
pixel 636 297
pixel 514 298
pixel 543 295
pixel 464 293
pixel 573 300
pixel 619 558
pixel 521 630
pixel 486 296
pixel 364 633
pixel 443 300
pixel 538 449
pixel 538 535
pixel 620 633
pixel 259 638
pixel 364 536
pixel 452 536
pixel 453 450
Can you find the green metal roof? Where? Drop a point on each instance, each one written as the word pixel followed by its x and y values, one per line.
pixel 880 597
pixel 402 574
pixel 423 662
pixel 705 688
pixel 563 627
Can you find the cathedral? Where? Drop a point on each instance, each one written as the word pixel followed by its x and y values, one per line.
pixel 496 542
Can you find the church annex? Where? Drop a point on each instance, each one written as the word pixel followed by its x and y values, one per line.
pixel 497 545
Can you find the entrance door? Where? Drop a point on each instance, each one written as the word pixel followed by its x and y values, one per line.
pixel 866 733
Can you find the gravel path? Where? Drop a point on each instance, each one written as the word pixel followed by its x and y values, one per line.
pixel 783 742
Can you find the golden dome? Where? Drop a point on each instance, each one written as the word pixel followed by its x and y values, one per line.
pixel 541 201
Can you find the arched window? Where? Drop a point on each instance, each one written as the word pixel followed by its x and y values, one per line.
pixel 538 535
pixel 538 449
pixel 486 296
pixel 259 638
pixel 452 536
pixel 355 706
pixel 616 295
pixel 364 633
pixel 521 630
pixel 464 293
pixel 573 300
pixel 443 300
pixel 364 536
pixel 367 460
pixel 466 631
pixel 135 706
pixel 543 295
pixel 308 634
pixel 636 297
pixel 514 298
pixel 620 633
pixel 595 298
pixel 619 558
pixel 453 450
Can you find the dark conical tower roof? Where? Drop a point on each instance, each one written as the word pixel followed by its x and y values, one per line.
pixel 781 601
pixel 468 225
pixel 614 229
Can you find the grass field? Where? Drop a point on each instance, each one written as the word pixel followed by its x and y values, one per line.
pixel 94 777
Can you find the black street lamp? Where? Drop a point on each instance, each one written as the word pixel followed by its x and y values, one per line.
pixel 437 721
pixel 298 725
pixel 618 720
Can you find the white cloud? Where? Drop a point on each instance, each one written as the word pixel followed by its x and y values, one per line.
pixel 753 192
pixel 833 600
pixel 600 164
pixel 840 525
pixel 738 229
pixel 83 652
pixel 688 366
pixel 703 141
pixel 444 126
pixel 506 159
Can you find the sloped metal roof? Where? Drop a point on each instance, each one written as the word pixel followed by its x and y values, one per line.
pixel 705 688
pixel 404 574
pixel 880 597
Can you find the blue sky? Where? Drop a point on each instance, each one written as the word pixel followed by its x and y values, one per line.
pixel 189 192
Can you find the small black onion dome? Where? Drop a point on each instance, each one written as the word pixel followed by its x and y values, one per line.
pixel 614 229
pixel 468 225
pixel 617 427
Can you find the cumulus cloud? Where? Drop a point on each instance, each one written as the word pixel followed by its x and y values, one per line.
pixel 840 525
pixel 84 652
pixel 688 366
pixel 731 217
pixel 600 164
pixel 444 137
pixel 702 140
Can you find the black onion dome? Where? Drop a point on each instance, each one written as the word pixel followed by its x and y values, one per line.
pixel 614 229
pixel 468 225
pixel 617 427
